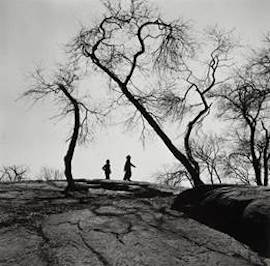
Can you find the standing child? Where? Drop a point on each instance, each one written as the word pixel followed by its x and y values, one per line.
pixel 107 169
pixel 127 168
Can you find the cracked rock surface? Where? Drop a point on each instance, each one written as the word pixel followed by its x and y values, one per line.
pixel 114 223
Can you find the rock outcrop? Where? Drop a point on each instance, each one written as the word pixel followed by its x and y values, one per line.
pixel 240 211
pixel 114 223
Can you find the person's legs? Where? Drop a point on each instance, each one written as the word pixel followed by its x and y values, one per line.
pixel 125 176
pixel 128 176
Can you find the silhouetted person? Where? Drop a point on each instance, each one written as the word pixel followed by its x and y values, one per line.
pixel 107 169
pixel 127 168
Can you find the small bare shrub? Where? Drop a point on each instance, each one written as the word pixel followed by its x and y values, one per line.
pixel 13 173
pixel 51 174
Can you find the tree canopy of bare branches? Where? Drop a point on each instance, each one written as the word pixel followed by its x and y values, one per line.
pixel 62 89
pixel 261 58
pixel 131 39
pixel 174 175
pixel 245 101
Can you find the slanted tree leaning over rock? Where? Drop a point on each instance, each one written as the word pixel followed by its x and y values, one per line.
pixel 61 90
pixel 130 39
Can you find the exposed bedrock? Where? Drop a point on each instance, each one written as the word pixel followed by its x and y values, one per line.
pixel 240 211
pixel 114 223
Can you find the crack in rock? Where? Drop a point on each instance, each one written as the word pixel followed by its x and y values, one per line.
pixel 100 257
pixel 205 246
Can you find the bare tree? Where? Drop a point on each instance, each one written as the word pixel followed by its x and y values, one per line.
pixel 173 176
pixel 244 101
pixel 210 153
pixel 130 40
pixel 237 167
pixel 13 173
pixel 61 88
pixel 261 58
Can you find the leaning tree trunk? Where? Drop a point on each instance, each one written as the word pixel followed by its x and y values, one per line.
pixel 73 141
pixel 192 170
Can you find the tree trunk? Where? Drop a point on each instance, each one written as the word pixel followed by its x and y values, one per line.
pixel 265 165
pixel 73 140
pixel 265 180
pixel 194 173
pixel 257 171
pixel 255 161
pixel 217 175
pixel 265 156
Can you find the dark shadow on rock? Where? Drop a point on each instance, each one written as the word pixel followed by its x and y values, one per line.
pixel 138 189
pixel 240 211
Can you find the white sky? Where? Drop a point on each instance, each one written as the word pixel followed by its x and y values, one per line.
pixel 33 31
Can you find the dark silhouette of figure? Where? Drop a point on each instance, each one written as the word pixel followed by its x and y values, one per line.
pixel 107 169
pixel 127 168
